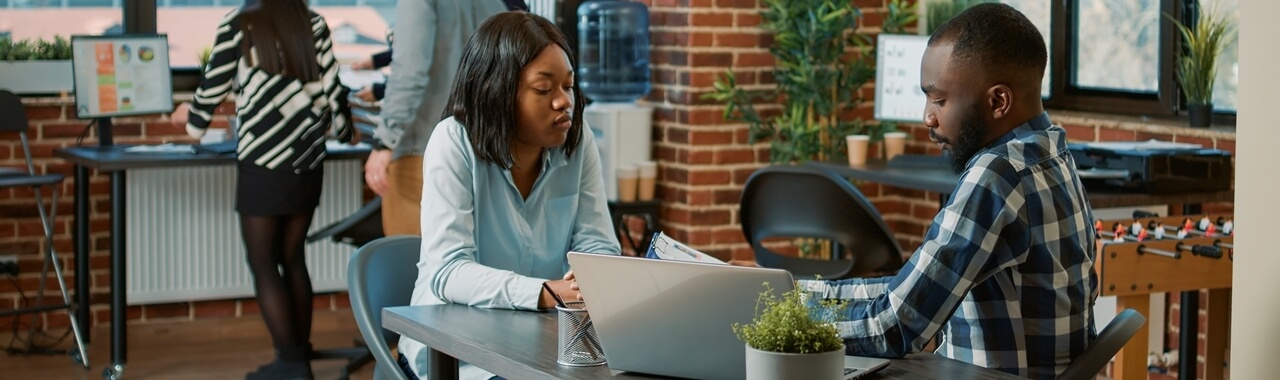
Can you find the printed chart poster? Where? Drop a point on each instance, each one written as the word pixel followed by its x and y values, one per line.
pixel 898 94
pixel 122 75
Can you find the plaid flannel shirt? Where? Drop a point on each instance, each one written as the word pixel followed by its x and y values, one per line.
pixel 1005 272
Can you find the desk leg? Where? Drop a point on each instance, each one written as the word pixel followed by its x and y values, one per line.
pixel 443 366
pixel 1131 362
pixel 1188 334
pixel 1217 332
pixel 118 296
pixel 80 235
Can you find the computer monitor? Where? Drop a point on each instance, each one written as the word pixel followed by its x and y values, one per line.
pixel 898 94
pixel 120 75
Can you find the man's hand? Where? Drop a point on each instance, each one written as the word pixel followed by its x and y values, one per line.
pixel 365 63
pixel 366 94
pixel 375 171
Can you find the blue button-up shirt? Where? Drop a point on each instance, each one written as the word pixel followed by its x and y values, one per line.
pixel 485 245
pixel 1006 269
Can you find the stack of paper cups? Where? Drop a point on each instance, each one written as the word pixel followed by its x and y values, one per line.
pixel 648 177
pixel 628 175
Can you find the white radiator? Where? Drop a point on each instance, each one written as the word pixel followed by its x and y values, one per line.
pixel 183 234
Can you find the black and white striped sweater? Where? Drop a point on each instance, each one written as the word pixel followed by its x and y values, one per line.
pixel 283 121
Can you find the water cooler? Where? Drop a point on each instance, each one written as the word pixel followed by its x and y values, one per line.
pixel 613 72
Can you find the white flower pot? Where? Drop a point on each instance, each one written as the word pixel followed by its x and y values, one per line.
pixel 765 365
pixel 36 77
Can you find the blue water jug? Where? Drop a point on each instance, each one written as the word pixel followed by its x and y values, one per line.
pixel 613 50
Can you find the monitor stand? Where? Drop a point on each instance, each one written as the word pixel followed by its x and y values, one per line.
pixel 105 139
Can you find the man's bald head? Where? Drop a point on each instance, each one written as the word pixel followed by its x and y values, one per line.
pixel 997 42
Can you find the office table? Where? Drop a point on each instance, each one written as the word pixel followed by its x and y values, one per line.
pixel 941 180
pixel 115 160
pixel 522 345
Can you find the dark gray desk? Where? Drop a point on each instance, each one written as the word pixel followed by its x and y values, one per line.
pixel 116 161
pixel 942 180
pixel 522 345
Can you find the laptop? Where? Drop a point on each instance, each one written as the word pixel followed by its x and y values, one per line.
pixel 674 318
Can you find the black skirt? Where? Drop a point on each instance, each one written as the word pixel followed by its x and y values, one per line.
pixel 261 191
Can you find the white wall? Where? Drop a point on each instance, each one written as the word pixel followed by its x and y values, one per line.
pixel 1256 305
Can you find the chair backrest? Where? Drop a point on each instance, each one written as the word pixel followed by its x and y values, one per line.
pixel 806 201
pixel 381 274
pixel 13 118
pixel 1109 341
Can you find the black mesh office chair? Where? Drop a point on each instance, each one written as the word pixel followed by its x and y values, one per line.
pixel 13 118
pixel 805 201
pixel 357 229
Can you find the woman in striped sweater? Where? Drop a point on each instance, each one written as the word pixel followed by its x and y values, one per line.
pixel 277 57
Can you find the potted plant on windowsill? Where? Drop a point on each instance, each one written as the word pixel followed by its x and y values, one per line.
pixel 787 341
pixel 1197 67
pixel 40 67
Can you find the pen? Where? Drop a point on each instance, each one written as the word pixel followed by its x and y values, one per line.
pixel 555 296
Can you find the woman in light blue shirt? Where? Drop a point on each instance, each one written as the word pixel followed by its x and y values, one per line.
pixel 511 181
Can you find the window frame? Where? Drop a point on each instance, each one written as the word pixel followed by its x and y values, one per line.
pixel 1167 101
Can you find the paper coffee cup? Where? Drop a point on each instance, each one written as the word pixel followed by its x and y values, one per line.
pixel 894 144
pixel 648 171
pixel 628 178
pixel 857 145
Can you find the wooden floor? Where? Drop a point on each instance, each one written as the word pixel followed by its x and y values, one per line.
pixel 205 349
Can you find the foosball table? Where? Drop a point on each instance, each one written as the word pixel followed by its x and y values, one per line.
pixel 1141 256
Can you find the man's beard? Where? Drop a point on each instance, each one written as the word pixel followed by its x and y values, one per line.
pixel 969 142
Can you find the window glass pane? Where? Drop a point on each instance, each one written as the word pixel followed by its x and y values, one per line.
pixel 43 19
pixel 1224 86
pixel 1117 45
pixel 1039 13
pixel 359 27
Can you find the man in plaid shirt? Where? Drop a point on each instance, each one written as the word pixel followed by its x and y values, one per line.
pixel 1006 269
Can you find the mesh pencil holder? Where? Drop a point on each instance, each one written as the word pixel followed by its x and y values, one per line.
pixel 578 344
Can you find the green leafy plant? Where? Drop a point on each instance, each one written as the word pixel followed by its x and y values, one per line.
pixel 787 324
pixel 27 50
pixel 900 13
pixel 821 63
pixel 938 12
pixel 203 57
pixel 1198 64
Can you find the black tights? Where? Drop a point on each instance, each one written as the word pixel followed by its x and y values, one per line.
pixel 275 253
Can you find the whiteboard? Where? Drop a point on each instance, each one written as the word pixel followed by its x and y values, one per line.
pixel 898 95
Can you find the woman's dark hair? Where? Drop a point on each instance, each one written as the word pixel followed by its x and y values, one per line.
pixel 483 98
pixel 280 30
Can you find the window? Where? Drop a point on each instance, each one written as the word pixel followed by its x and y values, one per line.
pixel 1118 55
pixel 1116 45
pixel 358 31
pixel 44 19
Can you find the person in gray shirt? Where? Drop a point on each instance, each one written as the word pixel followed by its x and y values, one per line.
pixel 430 36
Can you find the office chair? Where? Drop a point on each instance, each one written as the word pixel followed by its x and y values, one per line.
pixel 381 274
pixel 1105 346
pixel 805 201
pixel 357 229
pixel 13 118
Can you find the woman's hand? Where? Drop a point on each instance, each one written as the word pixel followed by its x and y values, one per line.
pixel 179 115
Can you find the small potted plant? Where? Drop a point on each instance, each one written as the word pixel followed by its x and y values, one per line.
pixel 789 339
pixel 39 67
pixel 1202 42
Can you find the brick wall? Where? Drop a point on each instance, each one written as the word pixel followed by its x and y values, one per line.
pixel 52 126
